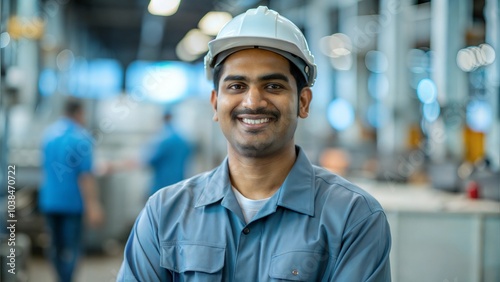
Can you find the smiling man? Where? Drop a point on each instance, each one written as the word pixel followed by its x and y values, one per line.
pixel 266 213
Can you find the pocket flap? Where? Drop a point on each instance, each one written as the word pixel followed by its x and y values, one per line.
pixel 184 256
pixel 295 265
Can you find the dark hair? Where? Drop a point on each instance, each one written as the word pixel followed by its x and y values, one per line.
pixel 72 106
pixel 294 70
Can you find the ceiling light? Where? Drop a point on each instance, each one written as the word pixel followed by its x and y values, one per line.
pixel 336 45
pixel 192 45
pixel 212 22
pixel 183 54
pixel 195 42
pixel 163 7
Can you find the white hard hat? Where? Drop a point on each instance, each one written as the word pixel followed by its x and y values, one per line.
pixel 266 29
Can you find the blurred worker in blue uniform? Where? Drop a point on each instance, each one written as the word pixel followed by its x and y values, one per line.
pixel 68 195
pixel 167 154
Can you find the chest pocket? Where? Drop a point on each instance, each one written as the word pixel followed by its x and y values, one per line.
pixel 193 261
pixel 298 266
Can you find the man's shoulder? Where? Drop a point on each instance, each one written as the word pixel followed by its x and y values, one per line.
pixel 188 189
pixel 337 190
pixel 64 128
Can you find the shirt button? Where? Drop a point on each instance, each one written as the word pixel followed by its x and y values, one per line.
pixel 295 272
pixel 246 230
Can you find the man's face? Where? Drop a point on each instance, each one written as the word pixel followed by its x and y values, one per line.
pixel 79 117
pixel 257 101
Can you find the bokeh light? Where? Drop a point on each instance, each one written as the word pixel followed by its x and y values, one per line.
pixel 161 82
pixel 377 115
pixel 479 115
pixel 376 61
pixel 340 114
pixel 342 63
pixel 47 82
pixel 4 39
pixel 65 60
pixel 431 111
pixel 417 61
pixel 473 57
pixel 426 91
pixel 378 85
pixel 338 47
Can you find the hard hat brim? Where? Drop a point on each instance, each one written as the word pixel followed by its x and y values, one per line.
pixel 221 48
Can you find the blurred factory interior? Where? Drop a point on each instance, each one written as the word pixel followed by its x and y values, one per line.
pixel 406 105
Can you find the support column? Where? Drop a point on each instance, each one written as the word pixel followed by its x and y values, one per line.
pixel 491 14
pixel 449 23
pixel 27 53
pixel 346 81
pixel 317 26
pixel 393 42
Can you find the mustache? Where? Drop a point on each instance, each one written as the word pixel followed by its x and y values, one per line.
pixel 259 111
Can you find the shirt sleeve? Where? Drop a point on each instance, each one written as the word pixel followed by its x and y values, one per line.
pixel 142 253
pixel 83 149
pixel 364 255
pixel 87 159
pixel 156 150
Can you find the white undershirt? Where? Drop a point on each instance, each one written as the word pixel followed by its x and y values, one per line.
pixel 249 207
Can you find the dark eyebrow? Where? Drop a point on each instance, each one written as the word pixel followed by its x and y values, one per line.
pixel 234 77
pixel 273 76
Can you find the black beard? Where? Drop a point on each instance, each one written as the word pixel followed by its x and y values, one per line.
pixel 252 151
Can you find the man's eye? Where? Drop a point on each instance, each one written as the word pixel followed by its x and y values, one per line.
pixel 274 86
pixel 235 86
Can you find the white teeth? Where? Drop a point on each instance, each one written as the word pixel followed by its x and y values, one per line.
pixel 255 121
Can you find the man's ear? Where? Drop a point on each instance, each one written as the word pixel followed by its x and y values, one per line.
pixel 304 102
pixel 213 101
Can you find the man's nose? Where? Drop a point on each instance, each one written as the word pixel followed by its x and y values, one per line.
pixel 254 99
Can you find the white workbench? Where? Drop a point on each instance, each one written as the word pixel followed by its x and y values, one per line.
pixel 439 236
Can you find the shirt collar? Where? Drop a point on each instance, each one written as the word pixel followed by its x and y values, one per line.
pixel 217 186
pixel 296 193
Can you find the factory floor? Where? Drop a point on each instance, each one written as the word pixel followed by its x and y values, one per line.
pixel 93 267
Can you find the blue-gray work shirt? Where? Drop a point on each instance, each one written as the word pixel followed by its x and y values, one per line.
pixel 316 227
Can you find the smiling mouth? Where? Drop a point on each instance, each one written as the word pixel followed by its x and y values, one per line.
pixel 255 121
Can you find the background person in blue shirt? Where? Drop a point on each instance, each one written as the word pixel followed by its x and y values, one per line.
pixel 68 191
pixel 266 213
pixel 167 155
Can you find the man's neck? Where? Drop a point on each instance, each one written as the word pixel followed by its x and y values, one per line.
pixel 259 178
